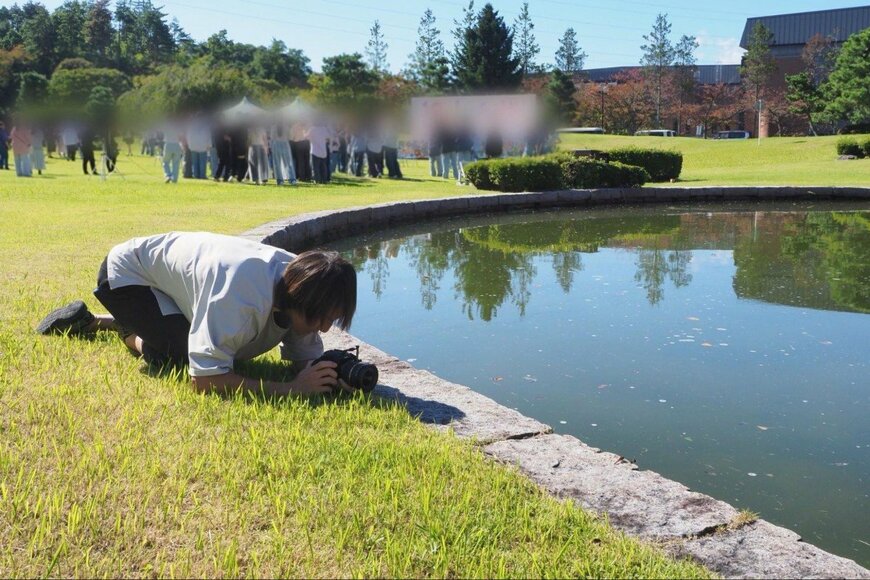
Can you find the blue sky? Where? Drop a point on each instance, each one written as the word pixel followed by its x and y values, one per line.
pixel 610 32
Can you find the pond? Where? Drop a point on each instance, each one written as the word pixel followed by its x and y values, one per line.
pixel 724 347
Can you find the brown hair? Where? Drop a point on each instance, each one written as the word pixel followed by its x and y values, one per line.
pixel 320 284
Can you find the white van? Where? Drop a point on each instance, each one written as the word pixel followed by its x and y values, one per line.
pixel 655 133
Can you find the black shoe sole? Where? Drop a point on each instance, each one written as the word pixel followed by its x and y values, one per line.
pixel 73 317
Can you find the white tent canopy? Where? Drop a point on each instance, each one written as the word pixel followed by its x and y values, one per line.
pixel 298 110
pixel 245 109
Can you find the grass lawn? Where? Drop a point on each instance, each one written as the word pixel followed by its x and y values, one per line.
pixel 776 161
pixel 106 470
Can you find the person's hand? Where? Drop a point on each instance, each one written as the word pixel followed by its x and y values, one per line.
pixel 315 379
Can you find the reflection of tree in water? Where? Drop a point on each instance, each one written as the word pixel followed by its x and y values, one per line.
pixel 486 277
pixel 654 265
pixel 430 257
pixel 816 260
pixel 565 264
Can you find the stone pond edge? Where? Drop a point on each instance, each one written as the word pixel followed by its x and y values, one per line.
pixel 639 502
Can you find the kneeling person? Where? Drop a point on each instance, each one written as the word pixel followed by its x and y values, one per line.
pixel 208 300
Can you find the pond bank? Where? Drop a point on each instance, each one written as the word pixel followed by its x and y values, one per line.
pixel 638 502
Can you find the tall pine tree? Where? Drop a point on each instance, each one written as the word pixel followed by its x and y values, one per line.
pixel 569 55
pixel 485 58
pixel 428 64
pixel 758 65
pixel 658 56
pixel 525 46
pixel 376 49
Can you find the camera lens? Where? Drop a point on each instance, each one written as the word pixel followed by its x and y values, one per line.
pixel 363 376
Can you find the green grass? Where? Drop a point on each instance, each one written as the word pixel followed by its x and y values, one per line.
pixel 106 470
pixel 776 161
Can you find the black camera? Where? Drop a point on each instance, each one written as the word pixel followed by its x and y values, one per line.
pixel 354 372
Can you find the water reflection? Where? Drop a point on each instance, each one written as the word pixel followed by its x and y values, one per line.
pixel 811 259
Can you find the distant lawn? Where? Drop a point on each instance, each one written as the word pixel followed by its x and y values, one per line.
pixel 777 161
pixel 106 470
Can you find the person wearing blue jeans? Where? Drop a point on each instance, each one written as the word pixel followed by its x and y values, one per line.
pixel 198 164
pixel 448 155
pixel 172 154
pixel 199 143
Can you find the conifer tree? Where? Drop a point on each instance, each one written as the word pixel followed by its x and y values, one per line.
pixel 758 65
pixel 376 49
pixel 525 46
pixel 485 60
pixel 569 56
pixel 658 56
pixel 428 64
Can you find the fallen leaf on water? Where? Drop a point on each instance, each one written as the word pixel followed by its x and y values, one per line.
pixel 762 427
pixel 497 379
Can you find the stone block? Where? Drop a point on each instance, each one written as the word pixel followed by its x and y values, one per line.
pixel 763 550
pixel 483 203
pixel 642 503
pixel 574 196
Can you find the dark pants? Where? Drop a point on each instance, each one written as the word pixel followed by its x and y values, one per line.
pixel 376 163
pixel 223 169
pixel 302 159
pixel 391 154
pixel 358 160
pixel 164 338
pixel 88 157
pixel 71 152
pixel 4 157
pixel 240 167
pixel 320 165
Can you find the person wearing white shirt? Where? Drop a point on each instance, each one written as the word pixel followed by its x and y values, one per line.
pixel 207 300
pixel 199 143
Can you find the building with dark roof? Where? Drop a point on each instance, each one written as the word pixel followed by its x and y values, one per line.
pixel 792 32
pixel 705 74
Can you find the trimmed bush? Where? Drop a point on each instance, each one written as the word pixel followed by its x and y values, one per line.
pixel 552 172
pixel 587 173
pixel 478 174
pixel 526 174
pixel 660 165
pixel 866 147
pixel 850 146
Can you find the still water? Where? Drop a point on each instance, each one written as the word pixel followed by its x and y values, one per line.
pixel 726 348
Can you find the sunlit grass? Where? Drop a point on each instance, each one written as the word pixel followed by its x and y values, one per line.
pixel 776 161
pixel 107 470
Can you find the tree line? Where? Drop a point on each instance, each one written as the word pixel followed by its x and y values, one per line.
pixel 84 57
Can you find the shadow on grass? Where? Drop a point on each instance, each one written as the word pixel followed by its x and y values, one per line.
pixel 384 395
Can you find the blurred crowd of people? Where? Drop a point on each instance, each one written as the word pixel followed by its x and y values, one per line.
pixel 260 148
pixel 257 151
pixel 29 143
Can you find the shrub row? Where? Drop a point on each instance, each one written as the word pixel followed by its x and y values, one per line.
pixel 585 173
pixel 852 146
pixel 557 171
pixel 661 165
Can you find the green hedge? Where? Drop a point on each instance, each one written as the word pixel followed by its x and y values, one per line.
pixel 552 172
pixel 478 174
pixel 586 173
pixel 526 174
pixel 661 165
pixel 866 147
pixel 851 146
